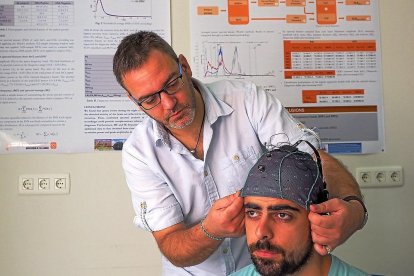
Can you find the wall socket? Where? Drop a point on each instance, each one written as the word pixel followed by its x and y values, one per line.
pixel 44 184
pixel 391 176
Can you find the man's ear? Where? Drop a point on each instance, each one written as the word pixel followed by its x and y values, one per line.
pixel 185 65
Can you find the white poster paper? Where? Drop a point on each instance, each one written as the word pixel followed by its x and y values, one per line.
pixel 57 89
pixel 321 58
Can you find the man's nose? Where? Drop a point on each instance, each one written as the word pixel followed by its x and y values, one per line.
pixel 264 230
pixel 168 101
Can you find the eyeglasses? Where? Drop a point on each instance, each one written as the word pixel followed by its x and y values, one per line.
pixel 170 88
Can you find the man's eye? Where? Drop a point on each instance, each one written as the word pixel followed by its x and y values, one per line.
pixel 284 216
pixel 251 214
pixel 173 84
pixel 150 99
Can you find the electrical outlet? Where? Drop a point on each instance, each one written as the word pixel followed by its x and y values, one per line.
pixel 365 177
pixel 60 183
pixel 26 184
pixel 44 184
pixel 395 176
pixel 391 176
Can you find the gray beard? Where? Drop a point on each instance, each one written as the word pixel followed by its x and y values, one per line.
pixel 187 123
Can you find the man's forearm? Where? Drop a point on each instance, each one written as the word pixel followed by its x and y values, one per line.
pixel 185 246
pixel 188 246
pixel 339 180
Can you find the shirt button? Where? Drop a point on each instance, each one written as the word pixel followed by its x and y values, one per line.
pixel 236 158
pixel 205 173
pixel 225 250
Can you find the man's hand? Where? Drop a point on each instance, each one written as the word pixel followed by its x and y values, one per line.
pixel 226 217
pixel 334 229
pixel 188 246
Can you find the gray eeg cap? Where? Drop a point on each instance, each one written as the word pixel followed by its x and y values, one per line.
pixel 286 173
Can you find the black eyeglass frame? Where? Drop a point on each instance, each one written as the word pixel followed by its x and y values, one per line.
pixel 164 89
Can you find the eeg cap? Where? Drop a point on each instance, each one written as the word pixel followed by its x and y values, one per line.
pixel 287 173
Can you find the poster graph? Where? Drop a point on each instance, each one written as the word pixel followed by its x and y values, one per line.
pixel 124 9
pixel 232 59
pixel 321 58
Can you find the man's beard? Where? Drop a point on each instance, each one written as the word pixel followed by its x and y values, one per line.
pixel 291 262
pixel 188 115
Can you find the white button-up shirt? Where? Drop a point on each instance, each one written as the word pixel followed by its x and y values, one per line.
pixel 169 185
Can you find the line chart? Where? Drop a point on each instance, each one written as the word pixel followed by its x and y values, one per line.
pixel 125 9
pixel 224 59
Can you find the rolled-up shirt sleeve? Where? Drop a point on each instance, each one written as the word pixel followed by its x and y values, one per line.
pixel 152 198
pixel 273 123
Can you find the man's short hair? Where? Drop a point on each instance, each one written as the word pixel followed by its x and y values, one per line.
pixel 134 49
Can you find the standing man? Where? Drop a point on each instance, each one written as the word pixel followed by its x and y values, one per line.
pixel 277 196
pixel 186 161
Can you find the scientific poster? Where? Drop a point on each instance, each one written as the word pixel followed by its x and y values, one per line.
pixel 57 89
pixel 321 58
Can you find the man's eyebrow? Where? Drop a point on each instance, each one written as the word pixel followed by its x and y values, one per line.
pixel 278 207
pixel 252 206
pixel 282 207
pixel 171 76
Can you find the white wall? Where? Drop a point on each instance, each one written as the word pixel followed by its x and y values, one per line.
pixel 90 231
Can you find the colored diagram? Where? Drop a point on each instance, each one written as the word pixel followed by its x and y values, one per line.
pixel 329 58
pixel 232 59
pixel 323 12
pixel 321 58
pixel 122 10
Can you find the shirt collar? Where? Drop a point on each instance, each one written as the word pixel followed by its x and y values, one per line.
pixel 214 108
pixel 160 134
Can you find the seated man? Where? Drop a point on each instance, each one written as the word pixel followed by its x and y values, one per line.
pixel 277 195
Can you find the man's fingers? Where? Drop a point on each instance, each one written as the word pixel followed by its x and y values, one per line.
pixel 321 249
pixel 226 201
pixel 322 220
pixel 323 243
pixel 235 205
pixel 324 230
pixel 227 214
pixel 316 208
pixel 321 235
pixel 323 208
